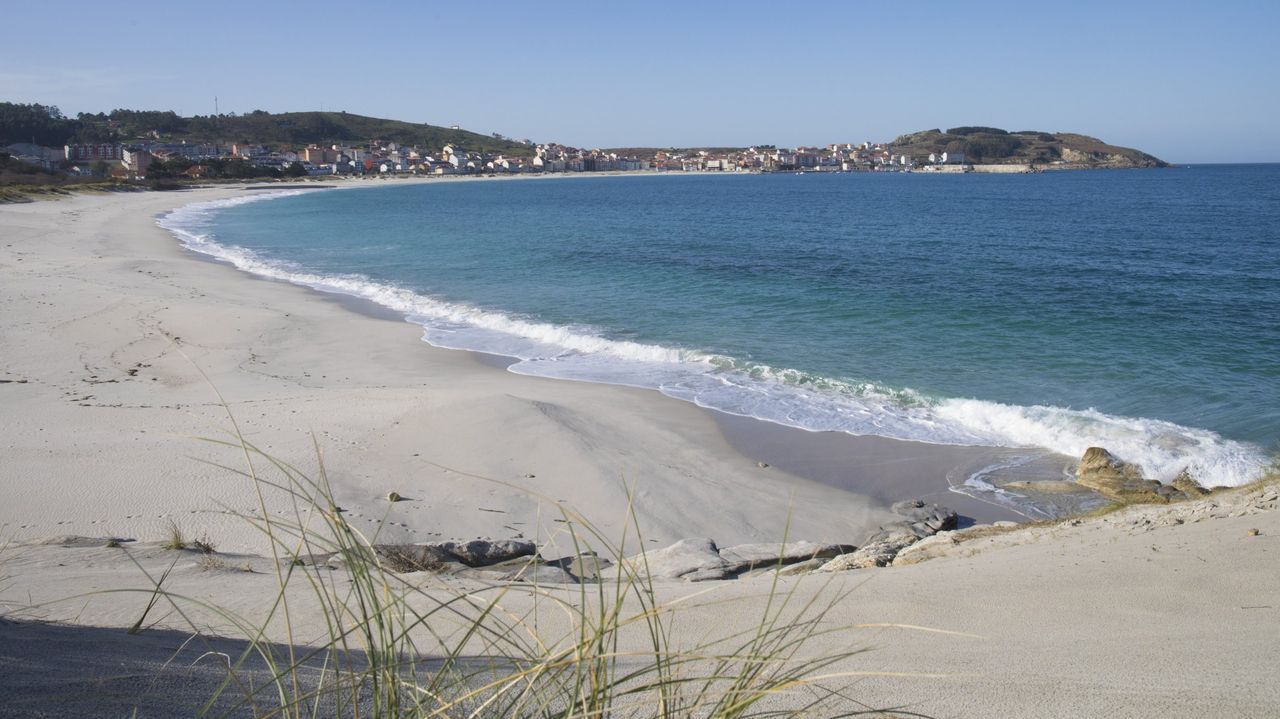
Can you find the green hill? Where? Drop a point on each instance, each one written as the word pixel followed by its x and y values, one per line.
pixel 47 126
pixel 990 145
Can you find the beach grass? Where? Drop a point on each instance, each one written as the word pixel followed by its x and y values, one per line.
pixel 175 539
pixel 392 647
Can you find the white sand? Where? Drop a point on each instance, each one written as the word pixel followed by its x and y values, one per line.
pixel 106 325
pixel 93 292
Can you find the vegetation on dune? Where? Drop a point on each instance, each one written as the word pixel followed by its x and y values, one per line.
pixel 396 649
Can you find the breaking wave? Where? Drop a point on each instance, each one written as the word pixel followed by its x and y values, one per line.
pixel 784 396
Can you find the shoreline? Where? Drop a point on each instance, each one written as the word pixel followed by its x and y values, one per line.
pixel 114 340
pixel 271 347
pixel 1164 449
pixel 840 460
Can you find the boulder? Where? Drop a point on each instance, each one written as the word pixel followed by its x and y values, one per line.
pixel 922 520
pixel 483 552
pixel 799 567
pixel 934 517
pixel 694 560
pixel 1188 485
pixel 878 553
pixel 535 573
pixel 438 556
pixel 743 557
pixel 414 557
pixel 587 565
pixel 936 546
pixel 1118 480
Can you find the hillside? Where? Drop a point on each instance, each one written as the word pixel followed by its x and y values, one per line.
pixel 989 145
pixel 47 126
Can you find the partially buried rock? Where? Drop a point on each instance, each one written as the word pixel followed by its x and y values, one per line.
pixel 743 557
pixel 932 516
pixel 541 574
pixel 693 560
pixel 878 553
pixel 483 552
pixel 921 520
pixel 1116 479
pixel 587 565
pixel 1188 485
pixel 437 556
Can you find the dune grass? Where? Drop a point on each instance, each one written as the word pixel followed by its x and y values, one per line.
pixel 175 539
pixel 394 648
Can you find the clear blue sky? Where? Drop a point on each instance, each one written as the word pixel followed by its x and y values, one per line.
pixel 1188 82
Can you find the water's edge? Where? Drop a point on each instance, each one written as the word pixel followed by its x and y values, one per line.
pixel 781 396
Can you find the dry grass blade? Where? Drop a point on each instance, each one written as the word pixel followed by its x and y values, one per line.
pixel 392 648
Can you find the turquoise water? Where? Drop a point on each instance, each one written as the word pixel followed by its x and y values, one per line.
pixel 1137 310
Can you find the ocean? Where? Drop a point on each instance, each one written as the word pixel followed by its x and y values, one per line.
pixel 1138 310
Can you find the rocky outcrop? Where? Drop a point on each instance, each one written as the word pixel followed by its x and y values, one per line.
pixel 698 560
pixel 920 521
pixel 1188 485
pixel 693 560
pixel 439 556
pixel 745 557
pixel 1122 481
pixel 877 553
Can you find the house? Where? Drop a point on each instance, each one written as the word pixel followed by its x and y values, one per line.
pixel 137 160
pixel 48 158
pixel 196 172
pixel 105 151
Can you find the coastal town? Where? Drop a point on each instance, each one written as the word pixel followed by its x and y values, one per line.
pixel 376 157
pixel 39 144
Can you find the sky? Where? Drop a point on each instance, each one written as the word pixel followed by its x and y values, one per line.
pixel 1187 82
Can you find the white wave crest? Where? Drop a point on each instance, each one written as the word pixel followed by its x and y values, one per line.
pixel 784 396
pixel 1163 449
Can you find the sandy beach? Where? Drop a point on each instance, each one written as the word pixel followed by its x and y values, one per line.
pixel 121 353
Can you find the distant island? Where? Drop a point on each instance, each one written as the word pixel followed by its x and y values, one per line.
pixel 41 146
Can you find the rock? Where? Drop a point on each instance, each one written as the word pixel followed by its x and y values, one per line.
pixel 743 557
pixel 1116 479
pixel 925 549
pixel 804 567
pixel 393 497
pixel 437 556
pixel 696 559
pixel 1188 485
pixel 706 575
pixel 933 516
pixel 878 553
pixel 922 521
pixel 541 574
pixel 414 557
pixel 483 552
pixel 1254 532
pixel 762 465
pixel 587 565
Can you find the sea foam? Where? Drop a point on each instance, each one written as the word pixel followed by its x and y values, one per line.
pixel 784 396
